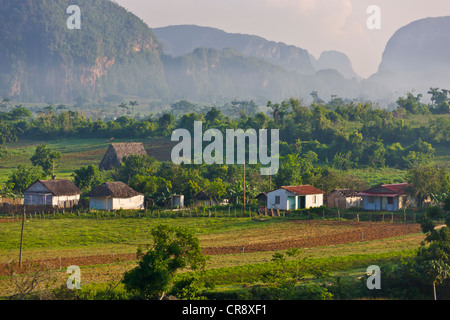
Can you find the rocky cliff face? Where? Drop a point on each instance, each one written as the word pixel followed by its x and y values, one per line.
pixel 417 56
pixel 184 39
pixel 114 52
pixel 222 75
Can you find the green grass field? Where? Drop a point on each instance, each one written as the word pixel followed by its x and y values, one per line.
pixel 77 236
pixel 80 236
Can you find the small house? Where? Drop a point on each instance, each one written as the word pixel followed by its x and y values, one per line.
pixel 262 198
pixel 202 199
pixel 117 151
pixel 115 196
pixel 344 199
pixel 177 201
pixel 55 193
pixel 294 198
pixel 388 197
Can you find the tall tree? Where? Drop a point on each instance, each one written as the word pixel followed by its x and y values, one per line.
pixel 427 181
pixel 46 158
pixel 172 249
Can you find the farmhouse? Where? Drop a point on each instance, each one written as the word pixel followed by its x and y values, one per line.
pixel 202 199
pixel 115 196
pixel 177 201
pixel 262 198
pixel 56 193
pixel 117 151
pixel 295 197
pixel 344 199
pixel 388 197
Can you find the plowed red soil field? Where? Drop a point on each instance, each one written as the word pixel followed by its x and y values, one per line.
pixel 354 232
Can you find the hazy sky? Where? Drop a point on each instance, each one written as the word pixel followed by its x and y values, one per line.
pixel 314 25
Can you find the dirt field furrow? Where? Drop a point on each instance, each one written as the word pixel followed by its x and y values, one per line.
pixel 359 232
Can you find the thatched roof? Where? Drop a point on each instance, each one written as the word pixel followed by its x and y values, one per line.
pixel 201 196
pixel 346 192
pixel 113 189
pixel 60 187
pixel 117 151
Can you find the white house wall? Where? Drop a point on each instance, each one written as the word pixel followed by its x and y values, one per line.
pixel 309 203
pixel 284 202
pixel 135 203
pixel 59 201
pixel 283 194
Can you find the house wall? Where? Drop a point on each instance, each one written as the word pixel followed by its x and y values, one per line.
pixel 290 201
pixel 380 204
pixel 100 203
pixel 283 194
pixel 310 203
pixel 338 200
pixel 33 198
pixel 135 203
pixel 65 201
pixel 38 194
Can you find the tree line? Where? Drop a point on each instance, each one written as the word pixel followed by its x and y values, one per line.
pixel 319 143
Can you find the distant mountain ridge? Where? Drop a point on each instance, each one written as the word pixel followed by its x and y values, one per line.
pixel 116 56
pixel 183 39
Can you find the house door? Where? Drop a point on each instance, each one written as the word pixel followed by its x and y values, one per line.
pixel 301 202
pixel 291 203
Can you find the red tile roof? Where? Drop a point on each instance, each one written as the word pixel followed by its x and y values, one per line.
pixel 398 188
pixel 387 190
pixel 303 190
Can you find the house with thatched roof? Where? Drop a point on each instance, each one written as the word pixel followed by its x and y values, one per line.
pixel 115 196
pixel 202 199
pixel 117 151
pixel 56 193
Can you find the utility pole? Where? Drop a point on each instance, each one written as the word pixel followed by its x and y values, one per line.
pixel 21 237
pixel 244 186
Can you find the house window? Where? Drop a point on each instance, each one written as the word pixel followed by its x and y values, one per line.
pixel 314 199
pixel 277 199
pixel 390 200
pixel 371 199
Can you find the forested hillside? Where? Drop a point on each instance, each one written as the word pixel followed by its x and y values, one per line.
pixel 42 60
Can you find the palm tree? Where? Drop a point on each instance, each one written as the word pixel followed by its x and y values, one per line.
pixel 133 104
pixel 124 106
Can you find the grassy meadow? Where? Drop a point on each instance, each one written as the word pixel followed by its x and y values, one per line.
pixel 77 237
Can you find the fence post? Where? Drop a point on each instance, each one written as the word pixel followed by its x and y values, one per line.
pixel 21 237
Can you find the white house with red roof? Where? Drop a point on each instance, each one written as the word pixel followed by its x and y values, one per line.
pixel 387 197
pixel 295 197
